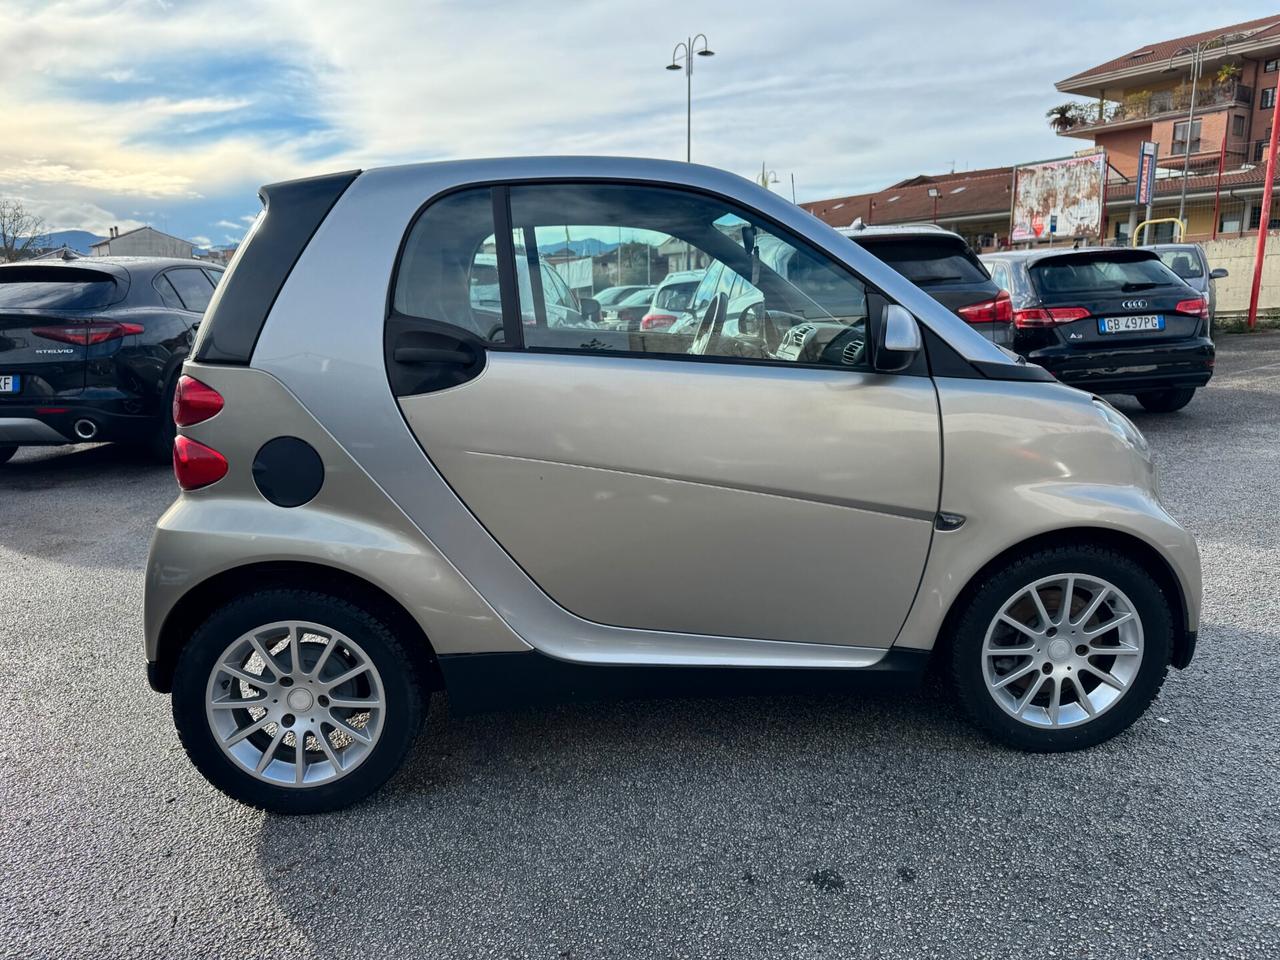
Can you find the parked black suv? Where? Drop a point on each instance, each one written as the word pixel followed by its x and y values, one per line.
pixel 942 264
pixel 91 349
pixel 1109 320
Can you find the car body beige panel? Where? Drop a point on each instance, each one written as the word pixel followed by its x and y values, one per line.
pixel 1035 460
pixel 351 525
pixel 681 496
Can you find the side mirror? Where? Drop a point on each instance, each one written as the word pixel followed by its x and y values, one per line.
pixel 1218 273
pixel 897 340
pixel 590 309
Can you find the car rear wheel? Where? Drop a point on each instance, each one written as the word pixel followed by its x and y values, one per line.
pixel 6 453
pixel 1167 401
pixel 295 701
pixel 1063 648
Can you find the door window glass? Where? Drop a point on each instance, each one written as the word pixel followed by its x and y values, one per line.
pixel 193 286
pixel 168 295
pixel 764 295
pixel 448 271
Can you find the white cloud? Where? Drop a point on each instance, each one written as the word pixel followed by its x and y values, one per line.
pixel 200 241
pixel 229 225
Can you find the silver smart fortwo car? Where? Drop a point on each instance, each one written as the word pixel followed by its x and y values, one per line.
pixel 392 486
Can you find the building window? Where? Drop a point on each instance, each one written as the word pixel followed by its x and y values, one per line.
pixel 1270 66
pixel 1260 148
pixel 1237 125
pixel 1180 137
pixel 1268 98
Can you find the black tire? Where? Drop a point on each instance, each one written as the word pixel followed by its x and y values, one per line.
pixel 1152 605
pixel 159 446
pixel 6 452
pixel 402 685
pixel 1166 401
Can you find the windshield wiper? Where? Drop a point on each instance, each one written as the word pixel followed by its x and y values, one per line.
pixel 1133 285
pixel 926 280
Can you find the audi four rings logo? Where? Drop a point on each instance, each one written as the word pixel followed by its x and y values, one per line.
pixel 1134 304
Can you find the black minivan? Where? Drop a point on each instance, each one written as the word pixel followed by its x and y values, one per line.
pixel 1109 320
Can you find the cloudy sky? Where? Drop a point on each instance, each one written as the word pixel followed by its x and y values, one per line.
pixel 172 113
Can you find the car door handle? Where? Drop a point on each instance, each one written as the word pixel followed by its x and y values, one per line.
pixel 455 358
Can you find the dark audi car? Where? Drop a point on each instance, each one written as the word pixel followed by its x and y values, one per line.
pixel 1109 320
pixel 91 349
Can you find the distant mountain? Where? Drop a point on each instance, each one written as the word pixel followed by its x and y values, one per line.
pixel 77 240
pixel 590 247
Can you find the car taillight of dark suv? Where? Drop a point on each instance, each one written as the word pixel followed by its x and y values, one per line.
pixel 1110 321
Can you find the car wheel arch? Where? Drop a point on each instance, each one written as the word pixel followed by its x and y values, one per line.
pixel 1120 541
pixel 198 603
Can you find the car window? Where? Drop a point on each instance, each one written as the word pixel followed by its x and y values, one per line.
pixel 63 288
pixel 193 287
pixel 1094 274
pixel 168 296
pixel 1182 262
pixel 448 270
pixel 926 260
pixel 795 304
pixel 1000 274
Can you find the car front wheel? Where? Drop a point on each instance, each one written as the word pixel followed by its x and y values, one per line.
pixel 1062 648
pixel 1167 401
pixel 296 701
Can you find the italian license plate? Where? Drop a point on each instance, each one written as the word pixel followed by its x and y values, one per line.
pixel 1150 321
pixel 9 383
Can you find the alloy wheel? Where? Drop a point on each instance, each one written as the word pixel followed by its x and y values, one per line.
pixel 295 704
pixel 1062 650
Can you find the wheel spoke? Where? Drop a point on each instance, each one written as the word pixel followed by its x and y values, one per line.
pixel 1030 695
pixel 343 678
pixel 267 658
pixel 1064 609
pixel 1021 627
pixel 1040 609
pixel 324 656
pixel 1014 676
pixel 323 737
pixel 1117 651
pixel 244 676
pixel 269 753
pixel 1108 626
pixel 1081 696
pixel 238 703
pixel 1055 700
pixel 299 756
pixel 295 647
pixel 1107 678
pixel 1094 604
pixel 243 732
pixel 354 732
pixel 371 703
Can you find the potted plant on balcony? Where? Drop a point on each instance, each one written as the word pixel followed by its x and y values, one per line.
pixel 1065 116
pixel 1228 74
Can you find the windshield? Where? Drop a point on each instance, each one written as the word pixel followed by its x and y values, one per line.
pixel 640 298
pixel 926 260
pixel 62 288
pixel 1078 275
pixel 1182 262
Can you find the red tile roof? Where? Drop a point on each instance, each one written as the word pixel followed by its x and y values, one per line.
pixel 1253 176
pixel 972 193
pixel 1161 51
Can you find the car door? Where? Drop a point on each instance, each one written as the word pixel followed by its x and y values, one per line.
pixel 768 486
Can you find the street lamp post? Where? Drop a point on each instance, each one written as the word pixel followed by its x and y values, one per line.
pixel 1197 51
pixel 935 193
pixel 766 177
pixel 690 48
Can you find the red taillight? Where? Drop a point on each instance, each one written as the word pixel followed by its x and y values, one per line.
pixel 1199 307
pixel 657 321
pixel 196 465
pixel 86 334
pixel 1047 316
pixel 194 402
pixel 999 310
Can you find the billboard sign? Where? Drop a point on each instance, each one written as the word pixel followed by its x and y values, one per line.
pixel 1063 197
pixel 1146 172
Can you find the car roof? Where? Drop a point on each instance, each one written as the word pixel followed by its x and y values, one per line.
pixel 122 268
pixel 871 231
pixel 1031 257
pixel 681 275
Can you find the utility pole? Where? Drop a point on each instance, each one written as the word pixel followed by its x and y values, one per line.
pixel 688 55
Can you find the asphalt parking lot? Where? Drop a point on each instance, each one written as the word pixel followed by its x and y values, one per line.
pixel 807 826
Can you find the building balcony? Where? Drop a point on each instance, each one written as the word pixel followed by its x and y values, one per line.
pixel 1142 107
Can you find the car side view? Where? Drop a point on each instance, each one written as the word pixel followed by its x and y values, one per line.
pixel 91 349
pixel 384 496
